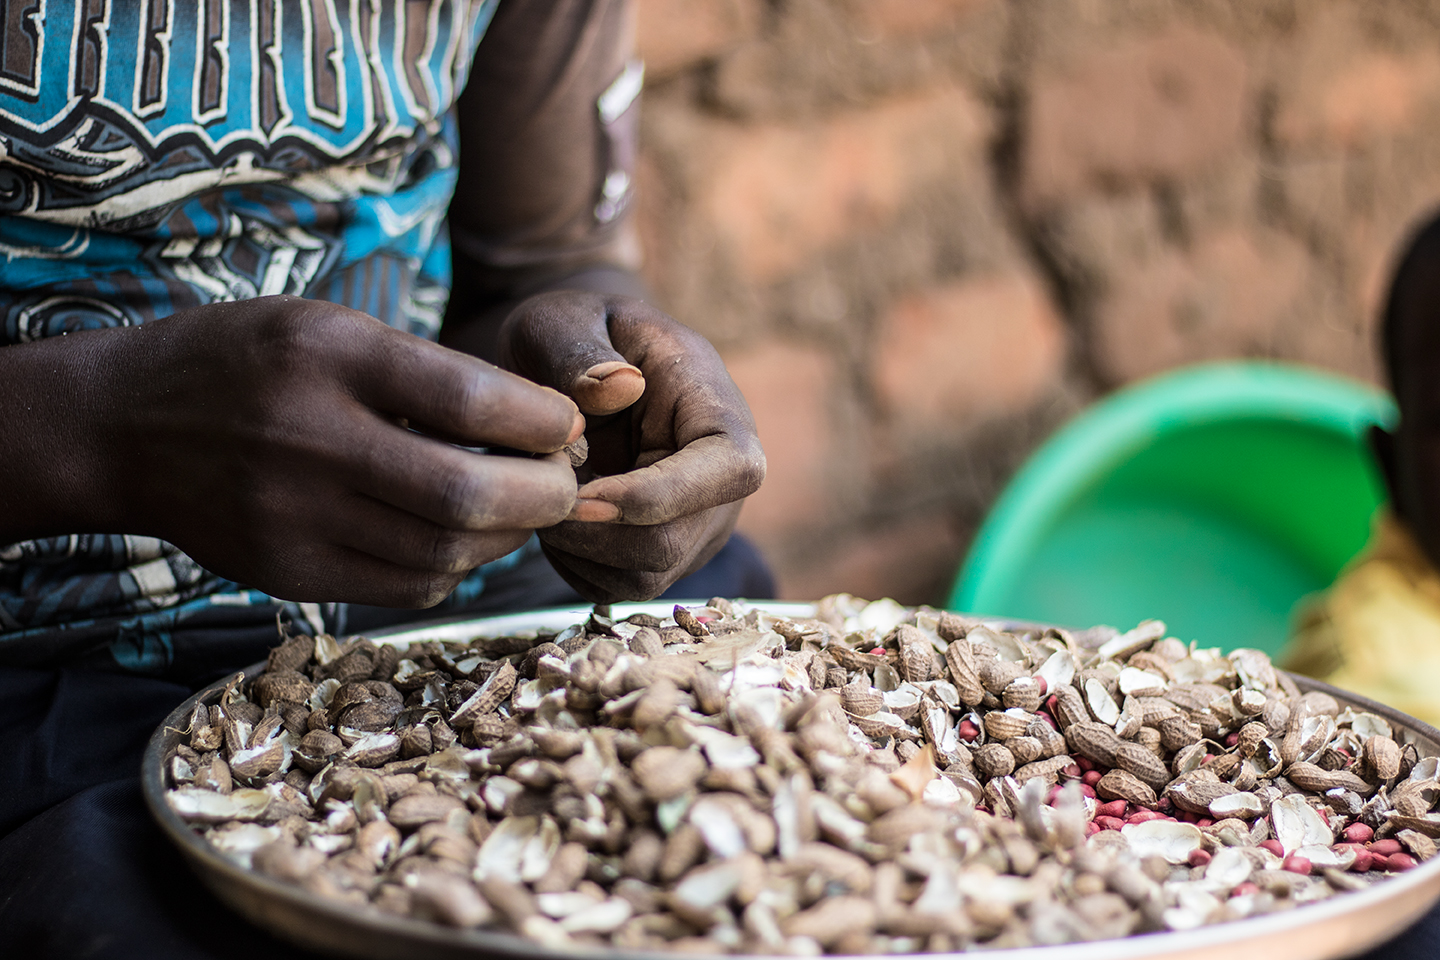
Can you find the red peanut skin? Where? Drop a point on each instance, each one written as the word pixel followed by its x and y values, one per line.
pixel 1141 816
pixel 1114 808
pixel 1359 833
pixel 1297 864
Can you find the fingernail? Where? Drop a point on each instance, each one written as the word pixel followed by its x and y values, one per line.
pixel 602 370
pixel 595 511
pixel 577 429
pixel 608 388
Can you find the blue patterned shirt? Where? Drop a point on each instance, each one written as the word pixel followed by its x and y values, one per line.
pixel 157 156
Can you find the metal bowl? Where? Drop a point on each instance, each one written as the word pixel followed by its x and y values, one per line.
pixel 1341 926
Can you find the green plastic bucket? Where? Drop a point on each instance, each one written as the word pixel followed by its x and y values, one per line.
pixel 1213 498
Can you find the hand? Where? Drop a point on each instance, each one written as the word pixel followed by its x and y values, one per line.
pixel 672 445
pixel 268 439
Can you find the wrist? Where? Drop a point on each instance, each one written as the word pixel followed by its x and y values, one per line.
pixel 61 470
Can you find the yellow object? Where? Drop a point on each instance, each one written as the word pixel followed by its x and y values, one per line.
pixel 1376 631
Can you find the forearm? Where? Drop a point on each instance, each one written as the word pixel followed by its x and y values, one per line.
pixel 546 164
pixel 54 474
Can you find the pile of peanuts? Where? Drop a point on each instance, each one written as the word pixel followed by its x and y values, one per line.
pixel 870 779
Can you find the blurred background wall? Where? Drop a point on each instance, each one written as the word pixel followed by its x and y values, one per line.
pixel 923 233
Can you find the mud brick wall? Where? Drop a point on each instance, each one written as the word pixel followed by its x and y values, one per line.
pixel 924 233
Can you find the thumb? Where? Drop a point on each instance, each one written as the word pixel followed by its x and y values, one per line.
pixel 607 387
pixel 562 340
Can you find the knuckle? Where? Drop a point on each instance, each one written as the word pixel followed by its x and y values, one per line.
pixel 664 552
pixel 468 393
pixel 461 498
pixel 449 552
pixel 293 332
pixel 290 321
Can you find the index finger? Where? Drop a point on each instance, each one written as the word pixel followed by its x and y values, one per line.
pixel 462 490
pixel 463 399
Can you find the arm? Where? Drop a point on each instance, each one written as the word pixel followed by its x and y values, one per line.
pixel 544 287
pixel 534 158
pixel 265 439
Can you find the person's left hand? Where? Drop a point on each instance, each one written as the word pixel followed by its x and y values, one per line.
pixel 673 448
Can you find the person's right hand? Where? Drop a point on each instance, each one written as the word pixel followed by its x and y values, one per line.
pixel 268 440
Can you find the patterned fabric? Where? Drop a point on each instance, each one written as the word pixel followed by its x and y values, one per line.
pixel 156 156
